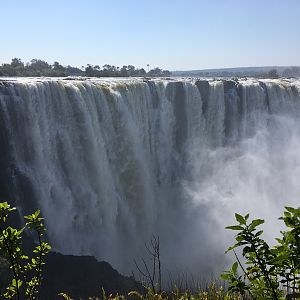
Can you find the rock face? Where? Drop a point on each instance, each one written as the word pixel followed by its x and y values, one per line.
pixel 81 277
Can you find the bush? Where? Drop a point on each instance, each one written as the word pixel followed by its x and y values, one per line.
pixel 270 272
pixel 26 271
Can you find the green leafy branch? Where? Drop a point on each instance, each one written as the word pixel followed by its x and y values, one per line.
pixel 26 271
pixel 270 273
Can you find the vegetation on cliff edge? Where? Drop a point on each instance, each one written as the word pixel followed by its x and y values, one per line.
pixel 38 67
pixel 265 272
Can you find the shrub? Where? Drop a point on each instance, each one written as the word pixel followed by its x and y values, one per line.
pixel 270 272
pixel 26 271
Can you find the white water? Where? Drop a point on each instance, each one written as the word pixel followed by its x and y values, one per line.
pixel 112 162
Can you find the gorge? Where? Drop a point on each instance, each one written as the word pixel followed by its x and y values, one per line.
pixel 112 161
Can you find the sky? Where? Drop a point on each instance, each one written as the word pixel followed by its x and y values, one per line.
pixel 170 34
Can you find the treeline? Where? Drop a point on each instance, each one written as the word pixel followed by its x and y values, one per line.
pixel 125 71
pixel 259 72
pixel 255 74
pixel 272 74
pixel 38 67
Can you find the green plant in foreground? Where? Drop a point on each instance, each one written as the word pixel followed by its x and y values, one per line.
pixel 212 293
pixel 270 272
pixel 26 272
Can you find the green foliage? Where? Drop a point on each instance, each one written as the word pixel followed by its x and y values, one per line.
pixel 157 72
pixel 38 67
pixel 125 71
pixel 26 271
pixel 212 293
pixel 270 273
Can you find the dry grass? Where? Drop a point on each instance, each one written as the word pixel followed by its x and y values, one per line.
pixel 213 292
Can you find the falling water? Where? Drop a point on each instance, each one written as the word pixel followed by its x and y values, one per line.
pixel 111 162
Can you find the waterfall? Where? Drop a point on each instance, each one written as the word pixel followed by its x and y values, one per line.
pixel 111 162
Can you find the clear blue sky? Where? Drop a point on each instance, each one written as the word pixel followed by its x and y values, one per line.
pixel 172 34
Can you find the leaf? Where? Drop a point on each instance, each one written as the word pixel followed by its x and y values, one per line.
pixel 234 283
pixel 231 248
pixel 247 250
pixel 290 209
pixel 240 237
pixel 256 223
pixel 279 259
pixel 225 276
pixel 136 294
pixel 234 267
pixel 65 296
pixel 259 233
pixel 240 219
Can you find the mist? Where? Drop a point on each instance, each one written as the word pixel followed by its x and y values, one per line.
pixel 112 162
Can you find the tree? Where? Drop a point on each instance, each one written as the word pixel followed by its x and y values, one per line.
pixel 8 70
pixel 38 65
pixel 57 66
pixel 141 72
pixel 73 71
pixel 131 70
pixel 151 273
pixel 17 63
pixel 166 73
pixel 124 71
pixel 89 71
pixel 26 271
pixel 156 72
